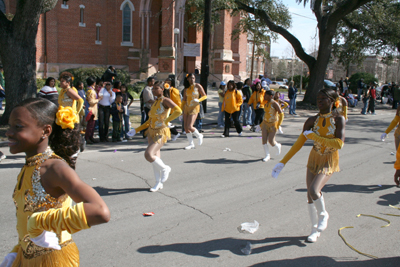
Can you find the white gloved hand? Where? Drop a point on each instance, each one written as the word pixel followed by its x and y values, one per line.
pixel 170 125
pixel 47 240
pixel 280 130
pixel 131 133
pixel 383 137
pixel 277 169
pixel 307 133
pixel 347 120
pixel 258 129
pixel 8 259
pixel 196 100
pixel 180 118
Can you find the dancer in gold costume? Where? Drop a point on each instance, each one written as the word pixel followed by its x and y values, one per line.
pixel 46 186
pixel 326 129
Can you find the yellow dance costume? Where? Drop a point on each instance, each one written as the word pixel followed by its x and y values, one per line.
pixel 175 96
pixel 157 123
pixel 324 156
pixel 394 123
pixel 272 120
pixel 65 101
pixel 190 106
pixel 342 109
pixel 46 213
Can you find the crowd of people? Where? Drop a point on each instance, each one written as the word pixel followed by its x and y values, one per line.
pixel 50 138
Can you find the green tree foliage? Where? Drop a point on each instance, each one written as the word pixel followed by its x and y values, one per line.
pixel 81 74
pixel 372 29
pixel 357 76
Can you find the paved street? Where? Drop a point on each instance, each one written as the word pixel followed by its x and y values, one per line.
pixel 210 192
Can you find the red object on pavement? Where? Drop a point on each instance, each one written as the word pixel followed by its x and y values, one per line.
pixel 148 214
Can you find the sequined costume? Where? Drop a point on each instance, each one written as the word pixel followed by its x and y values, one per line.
pixel 191 107
pixel 65 101
pixel 30 197
pixel 324 159
pixel 157 130
pixel 270 121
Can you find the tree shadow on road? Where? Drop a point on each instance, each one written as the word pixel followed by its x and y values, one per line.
pixel 208 249
pixel 318 261
pixel 102 191
pixel 11 165
pixel 390 199
pixel 223 161
pixel 351 188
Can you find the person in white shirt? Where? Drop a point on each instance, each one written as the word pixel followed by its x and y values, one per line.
pixel 106 98
pixel 49 91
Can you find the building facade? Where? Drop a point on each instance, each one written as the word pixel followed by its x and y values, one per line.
pixel 135 35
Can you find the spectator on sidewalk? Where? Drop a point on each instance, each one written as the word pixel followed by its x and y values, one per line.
pixel 221 94
pixel 292 98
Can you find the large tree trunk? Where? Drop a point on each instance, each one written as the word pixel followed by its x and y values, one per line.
pixel 18 51
pixel 318 68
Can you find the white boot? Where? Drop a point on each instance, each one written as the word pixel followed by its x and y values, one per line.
pixel 190 139
pixel 157 175
pixel 314 223
pixel 174 137
pixel 323 215
pixel 164 169
pixel 278 147
pixel 267 156
pixel 199 136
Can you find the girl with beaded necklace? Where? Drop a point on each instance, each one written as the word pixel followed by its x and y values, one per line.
pixel 326 129
pixel 47 184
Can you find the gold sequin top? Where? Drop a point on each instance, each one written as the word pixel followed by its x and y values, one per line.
pixel 192 93
pixel 158 114
pixel 327 131
pixel 270 113
pixel 64 100
pixel 29 197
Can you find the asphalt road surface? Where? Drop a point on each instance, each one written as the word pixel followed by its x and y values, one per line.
pixel 210 192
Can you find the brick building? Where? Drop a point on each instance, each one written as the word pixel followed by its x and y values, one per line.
pixel 136 35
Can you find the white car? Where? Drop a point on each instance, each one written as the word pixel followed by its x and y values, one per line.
pixel 278 85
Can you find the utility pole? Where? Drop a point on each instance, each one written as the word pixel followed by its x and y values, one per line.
pixel 205 69
pixel 252 59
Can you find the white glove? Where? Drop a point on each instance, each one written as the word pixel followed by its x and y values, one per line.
pixel 383 137
pixel 258 129
pixel 277 169
pixel 131 133
pixel 180 118
pixel 196 100
pixel 8 259
pixel 280 130
pixel 170 125
pixel 307 133
pixel 347 120
pixel 47 240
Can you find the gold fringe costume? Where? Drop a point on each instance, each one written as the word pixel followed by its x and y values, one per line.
pixel 29 198
pixel 394 123
pixel 157 123
pixel 324 156
pixel 190 106
pixel 272 120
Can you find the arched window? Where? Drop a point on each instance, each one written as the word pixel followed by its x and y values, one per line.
pixel 127 8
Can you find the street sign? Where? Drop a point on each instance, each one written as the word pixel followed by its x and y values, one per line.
pixel 191 50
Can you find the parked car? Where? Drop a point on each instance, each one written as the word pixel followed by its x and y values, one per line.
pixel 329 85
pixel 278 85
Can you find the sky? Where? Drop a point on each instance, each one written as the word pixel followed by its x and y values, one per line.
pixel 303 27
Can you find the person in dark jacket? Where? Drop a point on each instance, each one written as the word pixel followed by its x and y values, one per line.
pixel 245 107
pixel 292 98
pixel 109 75
pixel 117 112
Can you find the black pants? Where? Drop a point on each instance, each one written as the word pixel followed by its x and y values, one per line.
pixel 104 121
pixel 174 131
pixel 371 106
pixel 259 116
pixel 235 117
pixel 145 118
